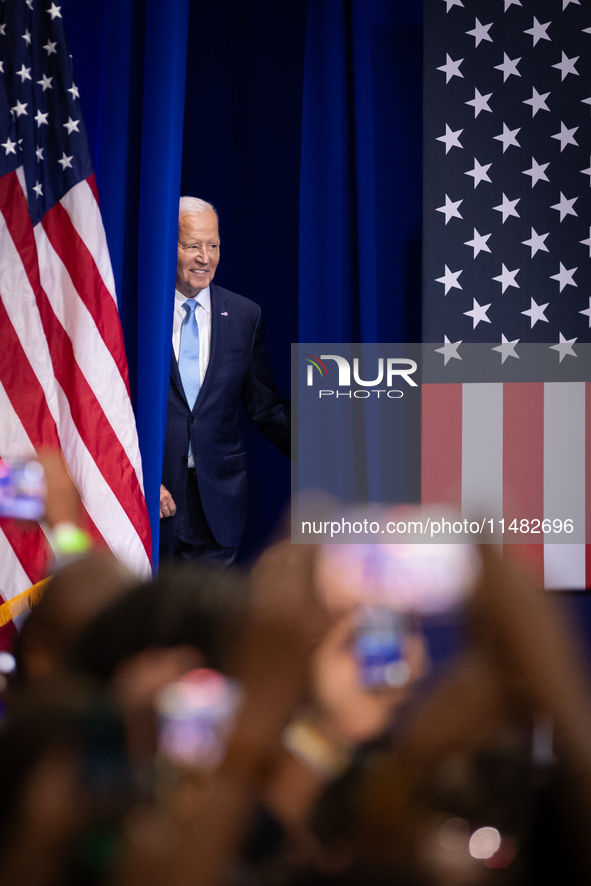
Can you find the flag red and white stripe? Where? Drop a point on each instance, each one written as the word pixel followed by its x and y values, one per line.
pixel 515 451
pixel 63 373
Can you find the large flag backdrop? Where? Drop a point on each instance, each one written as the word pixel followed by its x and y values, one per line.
pixel 282 117
pixel 507 243
pixel 63 372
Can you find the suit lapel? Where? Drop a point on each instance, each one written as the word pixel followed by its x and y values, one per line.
pixel 175 377
pixel 219 328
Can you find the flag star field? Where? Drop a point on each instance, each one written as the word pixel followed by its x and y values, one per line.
pixel 507 171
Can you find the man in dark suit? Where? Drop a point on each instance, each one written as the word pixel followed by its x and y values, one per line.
pixel 218 363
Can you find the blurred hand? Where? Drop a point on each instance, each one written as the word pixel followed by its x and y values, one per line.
pixel 62 504
pixel 167 505
pixel 523 659
pixel 283 589
pixel 138 680
pixel 528 638
pixel 286 620
pixel 136 684
pixel 344 709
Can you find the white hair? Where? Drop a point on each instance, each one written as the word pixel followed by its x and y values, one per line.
pixel 194 204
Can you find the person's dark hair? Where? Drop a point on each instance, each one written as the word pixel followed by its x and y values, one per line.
pixel 73 597
pixel 185 605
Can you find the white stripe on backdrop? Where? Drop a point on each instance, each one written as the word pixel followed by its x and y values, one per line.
pixel 512 452
pixel 564 480
pixel 482 452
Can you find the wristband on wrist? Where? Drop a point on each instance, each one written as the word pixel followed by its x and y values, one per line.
pixel 323 756
pixel 67 539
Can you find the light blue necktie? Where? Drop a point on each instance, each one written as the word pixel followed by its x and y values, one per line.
pixel 189 353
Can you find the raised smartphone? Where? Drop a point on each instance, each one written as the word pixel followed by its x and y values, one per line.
pixel 22 489
pixel 196 715
pixel 424 579
pixel 390 584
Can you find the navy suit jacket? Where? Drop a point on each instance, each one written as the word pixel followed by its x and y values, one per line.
pixel 237 374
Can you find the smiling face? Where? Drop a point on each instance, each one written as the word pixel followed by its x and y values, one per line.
pixel 198 252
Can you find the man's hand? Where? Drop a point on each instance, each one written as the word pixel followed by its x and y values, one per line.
pixel 167 505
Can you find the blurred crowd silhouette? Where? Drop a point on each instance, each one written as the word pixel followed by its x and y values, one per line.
pixel 214 727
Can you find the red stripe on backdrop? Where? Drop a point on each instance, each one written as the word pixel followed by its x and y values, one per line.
pixel 588 485
pixel 523 468
pixel 91 423
pixel 87 281
pixel 441 443
pixel 92 185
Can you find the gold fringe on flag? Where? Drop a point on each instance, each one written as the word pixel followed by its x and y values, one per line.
pixel 22 602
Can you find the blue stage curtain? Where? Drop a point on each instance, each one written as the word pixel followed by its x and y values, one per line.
pixel 345 167
pixel 242 153
pixel 162 149
pixel 130 59
pixel 360 209
pixel 360 187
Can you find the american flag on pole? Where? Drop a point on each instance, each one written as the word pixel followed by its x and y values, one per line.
pixel 63 372
pixel 507 249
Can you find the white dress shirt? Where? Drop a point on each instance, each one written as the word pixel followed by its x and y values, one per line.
pixel 203 317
